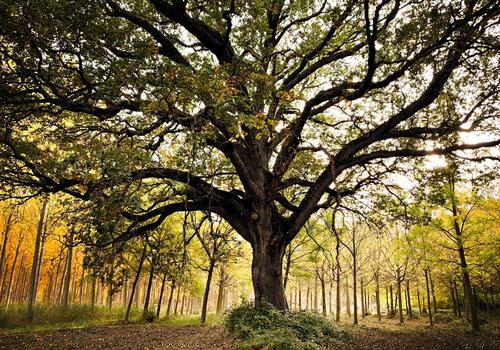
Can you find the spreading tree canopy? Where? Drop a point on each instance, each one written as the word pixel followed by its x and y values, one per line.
pixel 262 112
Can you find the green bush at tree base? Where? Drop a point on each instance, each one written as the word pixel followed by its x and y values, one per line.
pixel 271 329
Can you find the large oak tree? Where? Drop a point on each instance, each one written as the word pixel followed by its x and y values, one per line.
pixel 262 112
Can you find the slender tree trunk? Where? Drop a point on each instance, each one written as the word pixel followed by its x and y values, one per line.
pixel 338 304
pixel 392 300
pixel 5 240
pixel 348 302
pixel 408 305
pixel 3 289
pixel 134 284
pixel 183 301
pixel 355 293
pixel 387 299
pixel 300 299
pixel 40 255
pixel 419 305
pixel 204 305
pixel 80 293
pixel 34 267
pixel 11 278
pixel 434 303
pixel 93 292
pixel 288 264
pixel 177 300
pixel 170 298
pixel 363 305
pixel 67 277
pixel 307 297
pixel 459 308
pixel 220 293
pixel 162 289
pixel 323 296
pixel 148 290
pixel 377 295
pixel 428 296
pixel 400 306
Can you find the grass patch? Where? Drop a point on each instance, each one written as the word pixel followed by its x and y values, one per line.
pixel 270 329
pixel 52 317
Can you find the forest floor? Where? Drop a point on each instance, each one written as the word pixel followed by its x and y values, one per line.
pixel 370 335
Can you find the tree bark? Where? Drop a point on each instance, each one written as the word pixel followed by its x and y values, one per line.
pixel 34 266
pixel 162 290
pixel 220 294
pixel 148 290
pixel 400 305
pixel 355 293
pixel 11 278
pixel 67 276
pixel 377 295
pixel 6 233
pixel 170 297
pixel 203 317
pixel 134 284
pixel 434 303
pixel 408 305
pixel 267 276
pixel 428 296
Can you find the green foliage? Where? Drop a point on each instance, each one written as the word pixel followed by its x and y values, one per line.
pixel 149 316
pixel 443 316
pixel 269 328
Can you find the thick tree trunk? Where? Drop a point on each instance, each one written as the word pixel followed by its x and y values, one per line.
pixel 267 276
pixel 34 266
pixel 203 317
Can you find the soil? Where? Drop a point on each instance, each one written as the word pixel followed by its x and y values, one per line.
pixel 151 337
pixel 143 337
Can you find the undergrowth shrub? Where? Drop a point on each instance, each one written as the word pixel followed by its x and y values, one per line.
pixel 271 329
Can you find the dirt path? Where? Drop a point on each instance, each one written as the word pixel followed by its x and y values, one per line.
pixel 122 337
pixel 159 337
pixel 371 339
